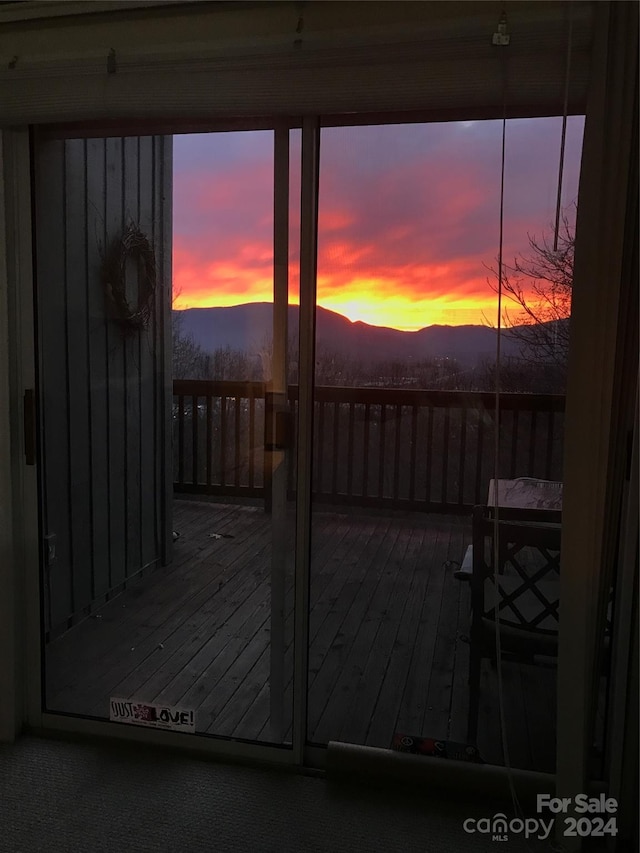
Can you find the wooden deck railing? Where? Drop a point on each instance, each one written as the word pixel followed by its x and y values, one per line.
pixel 372 446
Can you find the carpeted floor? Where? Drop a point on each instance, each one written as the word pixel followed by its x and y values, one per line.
pixel 74 797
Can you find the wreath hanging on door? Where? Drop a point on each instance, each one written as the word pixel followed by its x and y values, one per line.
pixel 132 312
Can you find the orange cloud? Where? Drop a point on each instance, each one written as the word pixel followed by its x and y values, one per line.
pixel 409 298
pixel 408 218
pixel 245 277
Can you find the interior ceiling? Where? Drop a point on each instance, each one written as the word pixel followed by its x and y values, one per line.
pixel 266 59
pixel 310 20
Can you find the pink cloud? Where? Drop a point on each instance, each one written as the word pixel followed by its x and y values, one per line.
pixel 412 216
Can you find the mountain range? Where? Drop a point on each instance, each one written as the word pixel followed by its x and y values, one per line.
pixel 249 327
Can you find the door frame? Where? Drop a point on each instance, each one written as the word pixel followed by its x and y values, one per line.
pixel 21 597
pixel 310 176
pixel 26 586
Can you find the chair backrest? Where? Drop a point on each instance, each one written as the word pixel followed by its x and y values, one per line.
pixel 526 586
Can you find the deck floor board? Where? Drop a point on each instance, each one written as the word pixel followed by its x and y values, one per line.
pixel 388 629
pixel 398 662
pixel 387 611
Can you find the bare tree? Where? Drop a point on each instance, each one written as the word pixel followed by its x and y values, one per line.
pixel 540 284
pixel 336 368
pixel 234 365
pixel 190 361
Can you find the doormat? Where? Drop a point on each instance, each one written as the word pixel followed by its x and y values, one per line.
pixel 436 748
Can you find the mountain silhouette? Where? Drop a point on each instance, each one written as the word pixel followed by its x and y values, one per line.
pixel 249 327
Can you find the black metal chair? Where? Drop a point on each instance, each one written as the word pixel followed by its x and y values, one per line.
pixel 525 589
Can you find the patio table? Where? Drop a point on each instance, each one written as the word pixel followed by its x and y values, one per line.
pixel 521 493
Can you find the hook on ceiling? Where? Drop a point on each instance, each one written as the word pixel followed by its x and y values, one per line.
pixel 501 38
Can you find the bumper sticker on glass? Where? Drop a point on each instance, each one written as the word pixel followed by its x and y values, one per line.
pixel 153 716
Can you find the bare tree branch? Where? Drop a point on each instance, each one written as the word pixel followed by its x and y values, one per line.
pixel 540 284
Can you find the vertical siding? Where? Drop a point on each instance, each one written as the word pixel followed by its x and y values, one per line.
pixel 115 367
pixel 132 369
pixel 99 385
pixel 147 362
pixel 103 392
pixel 53 378
pixel 78 378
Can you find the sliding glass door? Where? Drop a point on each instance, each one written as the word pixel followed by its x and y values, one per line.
pixel 273 448
pixel 167 432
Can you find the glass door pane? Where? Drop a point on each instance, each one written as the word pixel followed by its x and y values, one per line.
pixel 165 422
pixel 405 419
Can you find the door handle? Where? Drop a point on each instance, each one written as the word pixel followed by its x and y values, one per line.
pixel 278 433
pixel 283 430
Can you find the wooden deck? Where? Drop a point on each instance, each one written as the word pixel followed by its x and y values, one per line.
pixel 388 636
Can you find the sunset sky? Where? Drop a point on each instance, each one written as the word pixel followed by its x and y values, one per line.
pixel 408 217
